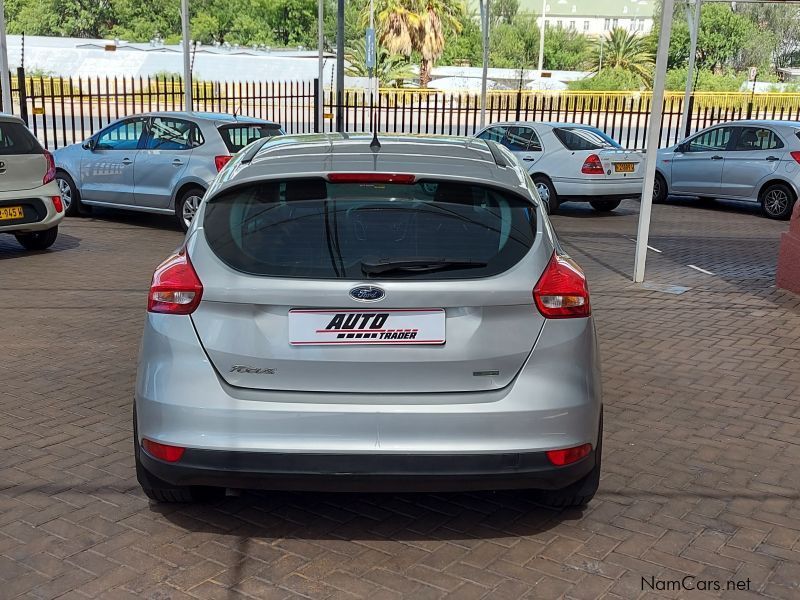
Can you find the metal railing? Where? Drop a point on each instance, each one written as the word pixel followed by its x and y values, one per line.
pixel 62 111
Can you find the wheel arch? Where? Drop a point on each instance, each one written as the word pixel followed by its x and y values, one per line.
pixel 184 186
pixel 776 180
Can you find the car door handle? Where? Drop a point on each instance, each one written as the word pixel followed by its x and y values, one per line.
pixel 529 158
pixel 717 157
pixel 772 158
pixel 177 162
pixel 126 161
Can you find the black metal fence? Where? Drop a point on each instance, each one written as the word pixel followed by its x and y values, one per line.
pixel 61 111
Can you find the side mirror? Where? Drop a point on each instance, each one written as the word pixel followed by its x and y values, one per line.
pixel 89 144
pixel 681 147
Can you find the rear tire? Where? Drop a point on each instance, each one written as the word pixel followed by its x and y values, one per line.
pixel 163 492
pixel 605 205
pixel 186 206
pixel 777 201
pixel 582 491
pixel 70 196
pixel 660 190
pixel 38 240
pixel 547 192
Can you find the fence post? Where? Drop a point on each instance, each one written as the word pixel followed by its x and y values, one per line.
pixel 23 95
pixel 519 103
pixel 316 108
pixel 689 112
pixel 750 109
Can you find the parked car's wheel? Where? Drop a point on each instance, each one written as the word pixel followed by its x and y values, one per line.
pixel 582 491
pixel 605 205
pixel 777 201
pixel 161 491
pixel 38 240
pixel 187 205
pixel 70 196
pixel 547 192
pixel 660 189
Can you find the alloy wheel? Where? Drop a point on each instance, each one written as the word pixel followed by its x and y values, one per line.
pixel 190 206
pixel 776 202
pixel 66 192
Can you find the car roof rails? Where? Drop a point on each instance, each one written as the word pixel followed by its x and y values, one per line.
pixel 499 159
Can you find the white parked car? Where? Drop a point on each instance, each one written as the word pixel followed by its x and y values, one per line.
pixel 30 205
pixel 572 162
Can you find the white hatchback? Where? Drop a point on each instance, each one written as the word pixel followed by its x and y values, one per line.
pixel 30 205
pixel 572 162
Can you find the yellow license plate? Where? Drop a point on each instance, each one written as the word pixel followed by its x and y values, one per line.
pixel 7 213
pixel 623 167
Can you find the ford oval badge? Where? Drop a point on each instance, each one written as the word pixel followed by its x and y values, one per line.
pixel 367 293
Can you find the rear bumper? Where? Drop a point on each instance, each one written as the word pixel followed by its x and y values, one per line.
pixel 586 190
pixel 40 213
pixel 366 472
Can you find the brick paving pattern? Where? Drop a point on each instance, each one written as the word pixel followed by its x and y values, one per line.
pixel 702 442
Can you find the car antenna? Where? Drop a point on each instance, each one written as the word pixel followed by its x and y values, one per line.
pixel 375 144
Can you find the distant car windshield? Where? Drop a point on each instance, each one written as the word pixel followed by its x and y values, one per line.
pixel 584 138
pixel 16 139
pixel 238 136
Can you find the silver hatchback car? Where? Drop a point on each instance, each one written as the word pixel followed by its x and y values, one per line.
pixel 347 315
pixel 160 162
pixel 756 161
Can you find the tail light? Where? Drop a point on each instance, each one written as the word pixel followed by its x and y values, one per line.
pixel 796 156
pixel 50 174
pixel 562 292
pixel 592 165
pixel 163 451
pixel 221 161
pixel 58 204
pixel 567 456
pixel 403 178
pixel 176 289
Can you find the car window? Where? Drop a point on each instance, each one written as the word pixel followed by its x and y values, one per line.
pixel 757 138
pixel 122 136
pixel 167 133
pixel 237 137
pixel 711 140
pixel 316 229
pixel 16 139
pixel 521 139
pixel 584 138
pixel 494 134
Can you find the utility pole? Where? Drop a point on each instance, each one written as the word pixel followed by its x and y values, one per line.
pixel 340 66
pixel 485 31
pixel 321 59
pixel 541 38
pixel 693 17
pixel 187 57
pixel 5 75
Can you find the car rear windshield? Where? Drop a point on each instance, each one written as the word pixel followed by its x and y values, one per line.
pixel 16 139
pixel 583 138
pixel 310 228
pixel 237 137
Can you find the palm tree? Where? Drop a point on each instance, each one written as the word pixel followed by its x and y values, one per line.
pixel 391 69
pixel 405 26
pixel 626 52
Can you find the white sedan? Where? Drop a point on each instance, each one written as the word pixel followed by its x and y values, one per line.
pixel 572 162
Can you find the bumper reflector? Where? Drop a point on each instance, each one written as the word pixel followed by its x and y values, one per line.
pixel 163 451
pixel 567 456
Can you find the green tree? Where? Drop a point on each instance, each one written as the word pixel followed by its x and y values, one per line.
pixel 72 18
pixel 140 20
pixel 503 11
pixel 565 49
pixel 406 26
pixel 514 46
pixel 611 79
pixel 391 70
pixel 624 52
pixel 466 46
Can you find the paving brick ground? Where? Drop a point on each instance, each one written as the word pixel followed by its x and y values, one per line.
pixel 702 443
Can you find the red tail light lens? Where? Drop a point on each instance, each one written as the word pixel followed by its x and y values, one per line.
pixel 796 156
pixel 50 174
pixel 402 178
pixel 562 292
pixel 58 204
pixel 176 289
pixel 163 451
pixel 567 456
pixel 221 161
pixel 592 165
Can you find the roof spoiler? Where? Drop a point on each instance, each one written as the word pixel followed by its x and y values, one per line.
pixel 254 149
pixel 499 159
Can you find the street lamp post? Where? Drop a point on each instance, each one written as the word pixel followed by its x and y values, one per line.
pixel 541 37
pixel 5 75
pixel 187 58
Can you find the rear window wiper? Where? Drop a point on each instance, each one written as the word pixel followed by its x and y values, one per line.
pixel 418 265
